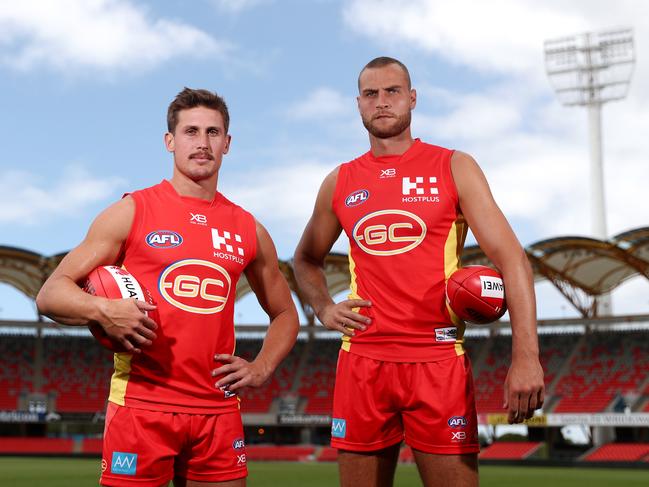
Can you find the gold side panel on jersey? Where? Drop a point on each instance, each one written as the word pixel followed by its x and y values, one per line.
pixel 119 380
pixel 347 344
pixel 452 251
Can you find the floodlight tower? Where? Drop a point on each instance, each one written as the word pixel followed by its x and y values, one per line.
pixel 589 70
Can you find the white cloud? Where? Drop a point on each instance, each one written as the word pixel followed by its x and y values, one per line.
pixel 499 35
pixel 97 34
pixel 471 117
pixel 282 198
pixel 283 194
pixel 535 151
pixel 322 103
pixel 503 36
pixel 27 199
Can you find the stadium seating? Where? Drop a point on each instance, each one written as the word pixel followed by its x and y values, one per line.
pixel 19 445
pixel 619 452
pixel 78 372
pixel 327 454
pixel 92 445
pixel 509 450
pixel 606 366
pixel 317 381
pixel 259 400
pixel 406 455
pixel 490 375
pixel 17 372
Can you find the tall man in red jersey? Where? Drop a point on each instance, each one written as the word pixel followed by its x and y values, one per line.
pixel 173 412
pixel 402 372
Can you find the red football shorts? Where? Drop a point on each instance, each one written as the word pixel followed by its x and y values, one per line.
pixel 429 404
pixel 149 448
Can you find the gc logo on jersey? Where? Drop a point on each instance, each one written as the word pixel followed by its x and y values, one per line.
pixel 357 197
pixel 163 239
pixel 196 286
pixel 389 232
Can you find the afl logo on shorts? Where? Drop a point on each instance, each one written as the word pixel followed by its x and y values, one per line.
pixel 357 198
pixel 389 232
pixel 163 239
pixel 196 286
pixel 457 422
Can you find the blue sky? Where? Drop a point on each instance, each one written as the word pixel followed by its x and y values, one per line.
pixel 84 88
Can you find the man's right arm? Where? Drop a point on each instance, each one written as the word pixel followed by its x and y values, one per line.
pixel 320 234
pixel 62 299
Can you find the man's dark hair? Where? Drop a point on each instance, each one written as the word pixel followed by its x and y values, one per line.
pixel 381 62
pixel 190 98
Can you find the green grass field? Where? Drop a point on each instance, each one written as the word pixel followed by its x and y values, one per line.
pixel 66 472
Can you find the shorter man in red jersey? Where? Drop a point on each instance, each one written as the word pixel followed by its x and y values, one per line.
pixel 402 372
pixel 173 411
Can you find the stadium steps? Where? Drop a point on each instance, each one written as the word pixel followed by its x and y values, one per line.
pixel 301 366
pixel 564 370
pixel 510 450
pixel 618 452
pixel 478 362
pixel 642 403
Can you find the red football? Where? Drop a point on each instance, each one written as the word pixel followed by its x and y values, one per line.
pixel 113 282
pixel 476 294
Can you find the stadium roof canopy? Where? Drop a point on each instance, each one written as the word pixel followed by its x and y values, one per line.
pixel 580 268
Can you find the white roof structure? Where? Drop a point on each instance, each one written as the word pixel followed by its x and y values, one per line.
pixel 580 268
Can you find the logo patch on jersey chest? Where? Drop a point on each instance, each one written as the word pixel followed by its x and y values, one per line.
pixel 194 285
pixel 164 239
pixel 227 245
pixel 389 232
pixel 357 198
pixel 419 189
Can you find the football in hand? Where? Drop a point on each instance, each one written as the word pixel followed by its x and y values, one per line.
pixel 476 294
pixel 113 282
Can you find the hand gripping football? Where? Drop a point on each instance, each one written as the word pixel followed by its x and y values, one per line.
pixel 113 282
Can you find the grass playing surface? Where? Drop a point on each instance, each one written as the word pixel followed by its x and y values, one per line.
pixel 65 472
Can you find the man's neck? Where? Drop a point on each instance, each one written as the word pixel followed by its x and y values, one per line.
pixel 392 146
pixel 204 189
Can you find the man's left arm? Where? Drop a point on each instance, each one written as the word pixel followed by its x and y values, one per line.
pixel 274 296
pixel 524 388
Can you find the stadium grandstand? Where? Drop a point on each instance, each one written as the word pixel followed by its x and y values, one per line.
pixel 54 380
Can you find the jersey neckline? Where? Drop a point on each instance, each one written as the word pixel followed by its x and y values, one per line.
pixel 394 159
pixel 168 188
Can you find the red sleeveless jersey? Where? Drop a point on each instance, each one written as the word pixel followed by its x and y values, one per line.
pixel 189 253
pixel 406 232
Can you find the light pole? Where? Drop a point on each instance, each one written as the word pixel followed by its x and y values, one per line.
pixel 589 70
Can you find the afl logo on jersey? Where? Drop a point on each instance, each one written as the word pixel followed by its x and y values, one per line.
pixel 357 198
pixel 163 239
pixel 389 232
pixel 196 286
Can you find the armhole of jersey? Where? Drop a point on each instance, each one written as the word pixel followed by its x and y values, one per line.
pixel 449 181
pixel 253 251
pixel 136 223
pixel 335 198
